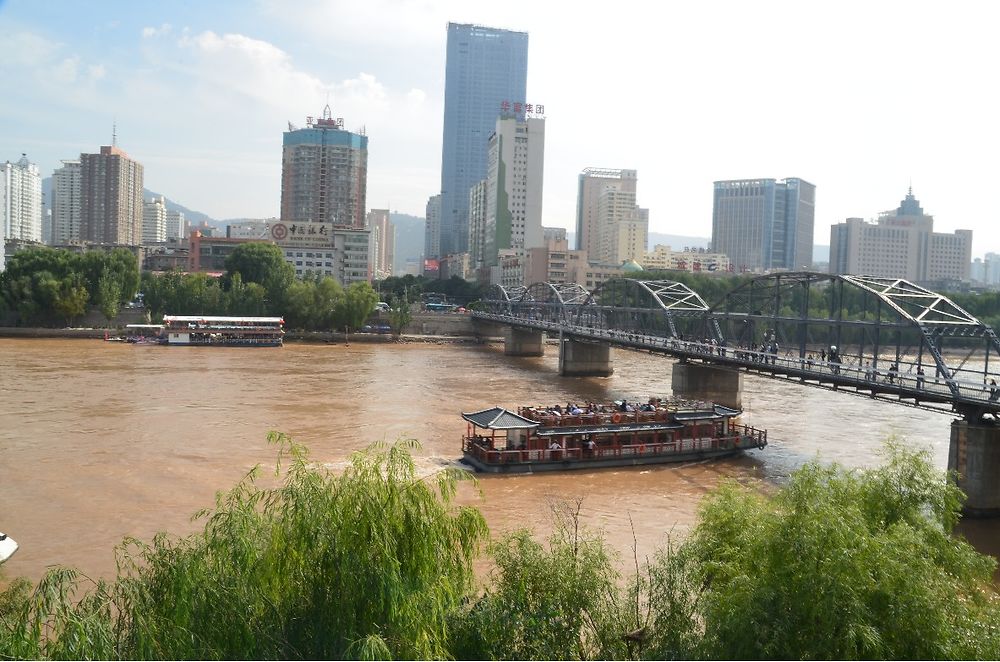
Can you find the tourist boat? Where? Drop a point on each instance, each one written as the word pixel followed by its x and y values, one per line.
pixel 551 439
pixel 7 547
pixel 222 331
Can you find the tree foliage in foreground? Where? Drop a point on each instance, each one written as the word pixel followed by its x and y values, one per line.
pixel 841 564
pixel 376 563
pixel 365 564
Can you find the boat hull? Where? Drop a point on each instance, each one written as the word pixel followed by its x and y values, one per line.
pixel 518 463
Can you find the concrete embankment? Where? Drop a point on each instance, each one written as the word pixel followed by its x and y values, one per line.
pixel 424 327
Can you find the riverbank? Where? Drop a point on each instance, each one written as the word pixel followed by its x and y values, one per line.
pixel 311 337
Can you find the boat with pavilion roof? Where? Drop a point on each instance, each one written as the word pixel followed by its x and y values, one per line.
pixel 532 439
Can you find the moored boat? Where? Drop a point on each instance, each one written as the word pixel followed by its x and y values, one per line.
pixel 7 547
pixel 613 435
pixel 206 330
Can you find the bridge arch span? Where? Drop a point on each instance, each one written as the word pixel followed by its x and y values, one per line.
pixel 549 302
pixel 882 324
pixel 650 307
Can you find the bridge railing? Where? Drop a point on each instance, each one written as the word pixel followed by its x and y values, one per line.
pixel 852 370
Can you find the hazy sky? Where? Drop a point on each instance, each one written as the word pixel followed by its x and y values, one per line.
pixel 860 98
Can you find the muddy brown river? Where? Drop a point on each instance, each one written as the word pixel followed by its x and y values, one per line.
pixel 103 440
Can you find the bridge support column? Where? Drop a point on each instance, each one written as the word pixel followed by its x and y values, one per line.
pixel 584 359
pixel 484 329
pixel 719 385
pixel 975 455
pixel 523 342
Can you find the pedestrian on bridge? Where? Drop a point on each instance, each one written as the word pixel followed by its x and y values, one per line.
pixel 920 377
pixel 994 390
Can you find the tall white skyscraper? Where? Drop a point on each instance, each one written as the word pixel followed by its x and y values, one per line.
pixel 175 224
pixel 65 203
pixel 514 185
pixel 21 200
pixel 154 220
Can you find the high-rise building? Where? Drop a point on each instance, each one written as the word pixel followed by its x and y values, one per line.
pixel 593 182
pixel 154 220
pixel 900 244
pixel 111 197
pixel 624 227
pixel 324 173
pixel 66 203
pixel 432 228
pixel 175 224
pixel 383 240
pixel 514 187
pixel 486 67
pixel 477 224
pixel 764 224
pixel 20 201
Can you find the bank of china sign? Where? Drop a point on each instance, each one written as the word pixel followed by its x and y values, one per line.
pixel 311 235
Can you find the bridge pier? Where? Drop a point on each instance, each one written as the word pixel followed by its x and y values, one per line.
pixel 975 455
pixel 584 359
pixel 523 342
pixel 719 385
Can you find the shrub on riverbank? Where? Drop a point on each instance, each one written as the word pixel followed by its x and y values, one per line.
pixel 376 563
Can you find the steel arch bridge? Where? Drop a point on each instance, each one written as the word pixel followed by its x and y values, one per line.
pixel 884 338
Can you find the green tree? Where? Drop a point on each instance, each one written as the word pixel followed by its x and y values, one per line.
pixel 560 603
pixel 368 563
pixel 399 315
pixel 109 296
pixel 300 302
pixel 70 299
pixel 244 299
pixel 265 264
pixel 842 564
pixel 356 307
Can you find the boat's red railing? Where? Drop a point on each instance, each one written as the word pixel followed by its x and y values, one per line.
pixel 739 437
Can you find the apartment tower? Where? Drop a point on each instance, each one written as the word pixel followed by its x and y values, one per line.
pixel 20 200
pixel 592 183
pixel 111 197
pixel 65 203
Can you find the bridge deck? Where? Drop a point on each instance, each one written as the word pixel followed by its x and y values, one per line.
pixel 928 391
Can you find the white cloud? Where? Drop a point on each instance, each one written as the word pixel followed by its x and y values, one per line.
pixel 66 70
pixel 156 32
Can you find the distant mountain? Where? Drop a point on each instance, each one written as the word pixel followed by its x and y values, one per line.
pixel 189 214
pixel 409 239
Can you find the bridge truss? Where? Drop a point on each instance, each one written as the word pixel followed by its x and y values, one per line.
pixel 886 338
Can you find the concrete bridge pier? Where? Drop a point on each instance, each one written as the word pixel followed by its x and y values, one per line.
pixel 484 329
pixel 584 359
pixel 975 455
pixel 719 385
pixel 523 342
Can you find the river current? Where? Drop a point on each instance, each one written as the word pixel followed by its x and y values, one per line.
pixel 104 440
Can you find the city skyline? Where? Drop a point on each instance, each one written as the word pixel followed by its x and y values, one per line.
pixel 202 94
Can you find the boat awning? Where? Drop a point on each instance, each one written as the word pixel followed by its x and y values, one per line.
pixel 499 418
pixel 655 426
pixel 726 411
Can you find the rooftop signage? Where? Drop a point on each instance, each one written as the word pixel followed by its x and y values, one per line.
pixel 519 107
